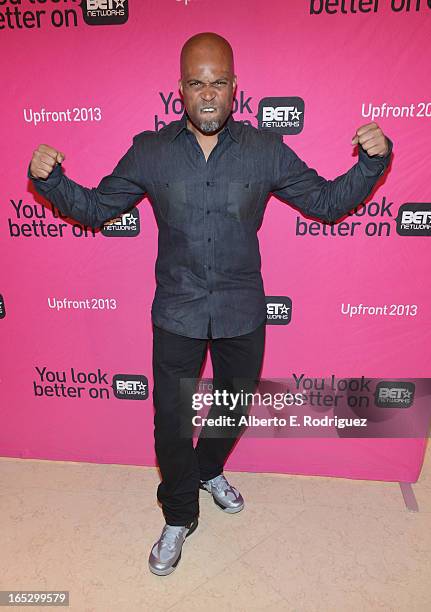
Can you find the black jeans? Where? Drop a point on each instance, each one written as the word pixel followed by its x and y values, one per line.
pixel 181 465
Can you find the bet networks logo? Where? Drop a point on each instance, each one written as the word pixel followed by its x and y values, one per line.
pixel 105 12
pixel 130 386
pixel 391 394
pixel 283 115
pixel 278 309
pixel 414 220
pixel 126 225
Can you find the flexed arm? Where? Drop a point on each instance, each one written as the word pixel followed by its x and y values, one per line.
pixel 331 199
pixel 115 193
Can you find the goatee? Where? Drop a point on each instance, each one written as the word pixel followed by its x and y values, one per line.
pixel 209 126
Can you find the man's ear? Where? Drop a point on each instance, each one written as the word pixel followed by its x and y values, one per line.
pixel 180 86
pixel 234 82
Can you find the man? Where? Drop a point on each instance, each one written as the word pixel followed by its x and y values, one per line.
pixel 208 178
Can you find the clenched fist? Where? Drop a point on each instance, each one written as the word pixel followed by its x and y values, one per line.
pixel 43 161
pixel 372 139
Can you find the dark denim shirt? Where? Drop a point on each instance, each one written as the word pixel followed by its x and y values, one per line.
pixel 208 214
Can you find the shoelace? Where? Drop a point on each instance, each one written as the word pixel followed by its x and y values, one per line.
pixel 221 484
pixel 169 536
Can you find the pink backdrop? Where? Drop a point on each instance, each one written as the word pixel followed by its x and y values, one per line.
pixel 342 65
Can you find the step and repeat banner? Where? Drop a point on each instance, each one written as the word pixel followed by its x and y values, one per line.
pixel 348 303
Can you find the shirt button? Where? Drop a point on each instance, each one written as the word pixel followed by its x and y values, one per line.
pixel 208 212
pixel 209 239
pixel 209 267
pixel 210 291
pixel 208 183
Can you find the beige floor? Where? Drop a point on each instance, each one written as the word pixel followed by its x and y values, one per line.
pixel 300 544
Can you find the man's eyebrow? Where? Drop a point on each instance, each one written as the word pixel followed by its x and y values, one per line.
pixel 222 78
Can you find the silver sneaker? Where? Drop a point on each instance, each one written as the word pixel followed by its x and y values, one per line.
pixel 224 495
pixel 166 552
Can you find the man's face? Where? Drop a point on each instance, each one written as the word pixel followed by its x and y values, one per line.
pixel 207 86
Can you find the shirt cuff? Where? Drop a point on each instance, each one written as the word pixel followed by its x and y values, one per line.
pixel 376 162
pixel 50 182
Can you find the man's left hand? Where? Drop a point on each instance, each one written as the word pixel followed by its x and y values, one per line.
pixel 371 139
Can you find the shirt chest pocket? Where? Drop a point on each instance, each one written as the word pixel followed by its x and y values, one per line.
pixel 170 199
pixel 244 199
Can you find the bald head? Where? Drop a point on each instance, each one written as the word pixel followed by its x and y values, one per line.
pixel 203 47
pixel 207 81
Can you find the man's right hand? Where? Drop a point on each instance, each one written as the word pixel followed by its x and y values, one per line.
pixel 43 161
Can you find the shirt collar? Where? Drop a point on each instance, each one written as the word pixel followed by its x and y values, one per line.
pixel 232 126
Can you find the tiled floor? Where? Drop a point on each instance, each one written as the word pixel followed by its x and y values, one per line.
pixel 300 544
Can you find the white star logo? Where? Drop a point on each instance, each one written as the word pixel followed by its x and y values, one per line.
pixel 132 219
pixel 119 3
pixel 295 113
